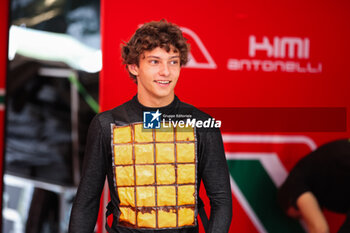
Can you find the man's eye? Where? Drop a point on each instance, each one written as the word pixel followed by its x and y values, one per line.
pixel 154 62
pixel 174 62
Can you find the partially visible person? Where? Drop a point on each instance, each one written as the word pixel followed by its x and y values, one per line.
pixel 319 180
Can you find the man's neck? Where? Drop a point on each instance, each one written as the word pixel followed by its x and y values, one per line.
pixel 155 102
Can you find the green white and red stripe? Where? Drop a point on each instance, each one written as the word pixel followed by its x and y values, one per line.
pixel 256 173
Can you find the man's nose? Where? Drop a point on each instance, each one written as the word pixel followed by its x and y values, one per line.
pixel 164 69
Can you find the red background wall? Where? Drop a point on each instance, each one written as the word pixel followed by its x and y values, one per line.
pixel 224 28
pixel 4 9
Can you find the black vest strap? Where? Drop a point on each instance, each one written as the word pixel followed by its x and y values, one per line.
pixel 203 215
pixel 204 218
pixel 110 210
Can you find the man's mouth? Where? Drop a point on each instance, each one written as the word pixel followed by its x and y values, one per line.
pixel 163 82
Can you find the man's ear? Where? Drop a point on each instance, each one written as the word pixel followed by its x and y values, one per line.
pixel 133 69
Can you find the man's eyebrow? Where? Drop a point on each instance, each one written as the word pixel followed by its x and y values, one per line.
pixel 152 56
pixel 172 57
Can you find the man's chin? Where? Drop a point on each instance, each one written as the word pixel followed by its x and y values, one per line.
pixel 164 94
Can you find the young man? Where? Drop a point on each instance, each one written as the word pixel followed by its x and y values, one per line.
pixel 153 174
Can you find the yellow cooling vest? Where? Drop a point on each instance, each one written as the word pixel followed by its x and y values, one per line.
pixel 155 176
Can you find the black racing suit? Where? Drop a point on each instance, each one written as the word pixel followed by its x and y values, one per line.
pixel 212 169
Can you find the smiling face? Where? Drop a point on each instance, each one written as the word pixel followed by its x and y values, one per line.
pixel 157 75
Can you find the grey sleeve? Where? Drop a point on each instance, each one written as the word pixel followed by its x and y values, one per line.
pixel 215 175
pixel 87 201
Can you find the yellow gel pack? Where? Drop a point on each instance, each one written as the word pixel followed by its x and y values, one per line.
pixel 155 176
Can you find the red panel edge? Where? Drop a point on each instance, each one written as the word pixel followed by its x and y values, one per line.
pixel 4 30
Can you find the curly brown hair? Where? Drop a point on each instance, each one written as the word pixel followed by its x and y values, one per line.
pixel 151 35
